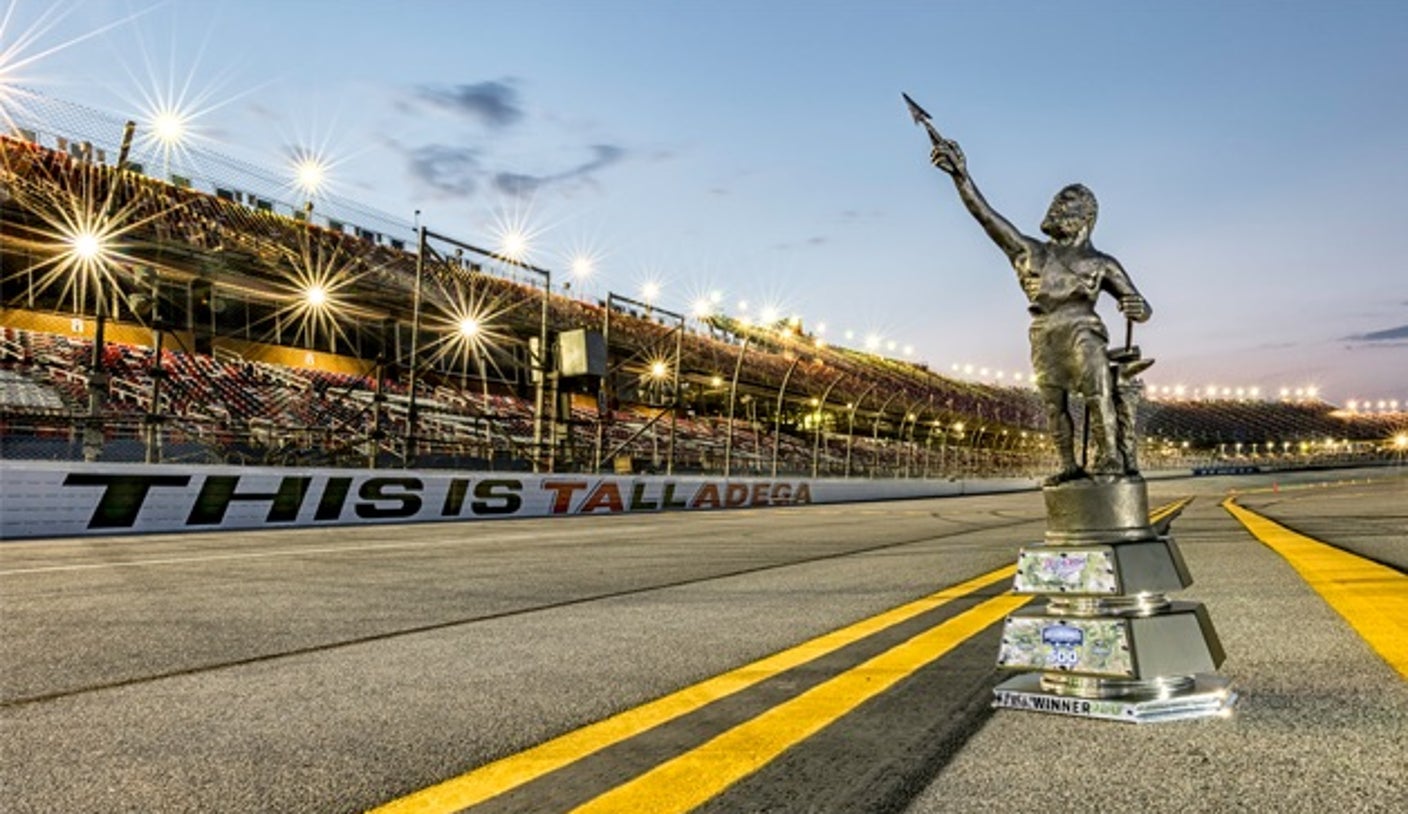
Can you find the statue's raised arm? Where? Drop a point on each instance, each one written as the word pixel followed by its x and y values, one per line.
pixel 948 157
pixel 1063 278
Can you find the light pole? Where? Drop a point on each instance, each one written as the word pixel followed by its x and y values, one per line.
pixel 411 414
pixel 657 373
pixel 777 413
pixel 913 418
pixel 537 359
pixel 816 442
pixel 875 435
pixel 851 425
pixel 732 395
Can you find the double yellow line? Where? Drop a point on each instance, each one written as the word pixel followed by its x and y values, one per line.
pixel 1373 598
pixel 702 773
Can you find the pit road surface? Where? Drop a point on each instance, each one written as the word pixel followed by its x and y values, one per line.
pixel 343 669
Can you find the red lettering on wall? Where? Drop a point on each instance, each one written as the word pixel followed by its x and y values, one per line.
pixel 605 494
pixel 562 500
pixel 706 498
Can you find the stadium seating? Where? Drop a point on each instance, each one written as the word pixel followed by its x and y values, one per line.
pixel 220 406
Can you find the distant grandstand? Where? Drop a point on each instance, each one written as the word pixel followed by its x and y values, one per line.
pixel 163 311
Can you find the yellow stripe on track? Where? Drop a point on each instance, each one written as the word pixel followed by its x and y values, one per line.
pixel 511 772
pixel 1373 598
pixel 702 773
pixel 506 774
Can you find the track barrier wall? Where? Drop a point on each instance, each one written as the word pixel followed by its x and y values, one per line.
pixel 66 499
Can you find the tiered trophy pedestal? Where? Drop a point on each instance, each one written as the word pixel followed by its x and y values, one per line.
pixel 1108 643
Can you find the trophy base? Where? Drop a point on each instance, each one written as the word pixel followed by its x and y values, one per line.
pixel 1098 511
pixel 1207 696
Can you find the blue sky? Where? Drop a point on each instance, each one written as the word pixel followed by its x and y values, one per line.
pixel 1248 157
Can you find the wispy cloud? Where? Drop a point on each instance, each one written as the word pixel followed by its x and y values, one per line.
pixel 1386 335
pixel 525 185
pixel 494 103
pixel 448 171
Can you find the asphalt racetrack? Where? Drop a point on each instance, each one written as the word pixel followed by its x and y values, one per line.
pixel 818 658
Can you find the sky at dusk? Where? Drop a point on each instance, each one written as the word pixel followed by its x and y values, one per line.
pixel 1249 158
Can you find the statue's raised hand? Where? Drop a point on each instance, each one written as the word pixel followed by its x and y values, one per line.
pixel 948 157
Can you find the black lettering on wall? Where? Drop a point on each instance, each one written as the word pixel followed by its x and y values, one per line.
pixel 454 498
pixel 334 495
pixel 218 492
pixel 374 489
pixel 497 490
pixel 123 496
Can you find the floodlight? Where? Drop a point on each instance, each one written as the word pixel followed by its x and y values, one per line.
pixel 309 173
pixel 87 246
pixel 169 127
pixel 514 245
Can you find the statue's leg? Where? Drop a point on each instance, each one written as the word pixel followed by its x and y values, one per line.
pixel 1058 420
pixel 1104 427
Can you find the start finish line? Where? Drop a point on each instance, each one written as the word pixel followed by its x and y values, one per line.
pixel 49 499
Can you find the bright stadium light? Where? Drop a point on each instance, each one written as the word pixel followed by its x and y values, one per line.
pixel 469 327
pixel 716 381
pixel 316 296
pixel 87 246
pixel 1400 441
pixel 658 369
pixel 702 308
pixel 820 329
pixel 169 128
pixel 768 315
pixel 309 174
pixel 513 245
pixel 649 291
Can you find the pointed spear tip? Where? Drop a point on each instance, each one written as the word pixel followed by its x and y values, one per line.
pixel 919 114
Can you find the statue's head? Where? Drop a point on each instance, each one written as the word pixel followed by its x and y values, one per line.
pixel 1072 214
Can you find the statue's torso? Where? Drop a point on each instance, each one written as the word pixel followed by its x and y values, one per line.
pixel 1067 336
pixel 1060 279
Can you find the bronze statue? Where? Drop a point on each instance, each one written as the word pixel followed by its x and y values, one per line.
pixel 1062 278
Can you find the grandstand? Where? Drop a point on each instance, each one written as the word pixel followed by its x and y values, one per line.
pixel 186 318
